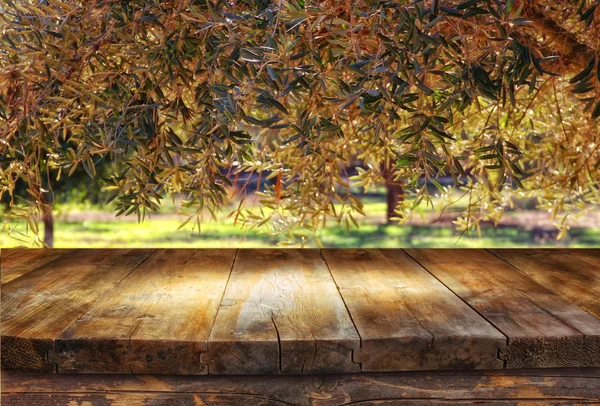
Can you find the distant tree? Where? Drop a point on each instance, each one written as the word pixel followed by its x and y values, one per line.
pixel 74 189
pixel 500 95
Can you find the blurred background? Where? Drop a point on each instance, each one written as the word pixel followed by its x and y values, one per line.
pixel 82 219
pixel 300 139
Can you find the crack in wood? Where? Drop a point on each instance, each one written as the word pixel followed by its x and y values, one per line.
pixel 278 342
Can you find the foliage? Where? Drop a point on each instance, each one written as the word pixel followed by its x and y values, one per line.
pixel 188 97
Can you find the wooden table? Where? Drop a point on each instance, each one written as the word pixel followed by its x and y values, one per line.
pixel 284 318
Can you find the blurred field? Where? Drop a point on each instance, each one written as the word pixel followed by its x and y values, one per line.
pixel 92 227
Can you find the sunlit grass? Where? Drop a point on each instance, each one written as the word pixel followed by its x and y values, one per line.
pixel 163 233
pixel 85 226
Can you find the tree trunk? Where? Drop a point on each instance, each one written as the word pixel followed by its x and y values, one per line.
pixel 49 228
pixel 394 191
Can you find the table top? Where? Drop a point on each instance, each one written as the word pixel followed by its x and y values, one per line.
pixel 298 311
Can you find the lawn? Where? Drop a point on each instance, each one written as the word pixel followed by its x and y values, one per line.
pixel 93 228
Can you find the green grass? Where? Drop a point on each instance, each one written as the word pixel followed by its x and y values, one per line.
pixel 164 233
pixel 161 232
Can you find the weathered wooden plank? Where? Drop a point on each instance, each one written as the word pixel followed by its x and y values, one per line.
pixel 7 252
pixel 543 329
pixel 408 320
pixel 157 321
pixel 505 387
pixel 40 305
pixel 16 262
pixel 150 399
pixel 281 313
pixel 573 274
pixel 129 399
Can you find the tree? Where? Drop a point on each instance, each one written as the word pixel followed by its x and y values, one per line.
pixel 76 188
pixel 500 95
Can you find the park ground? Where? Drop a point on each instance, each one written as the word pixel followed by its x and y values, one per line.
pixel 86 226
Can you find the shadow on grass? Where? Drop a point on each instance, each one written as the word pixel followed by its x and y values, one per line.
pixel 385 236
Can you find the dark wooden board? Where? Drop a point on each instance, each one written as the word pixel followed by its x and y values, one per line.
pixel 543 329
pixel 157 321
pixel 407 319
pixel 281 313
pixel 40 305
pixel 535 387
pixel 573 274
pixel 16 262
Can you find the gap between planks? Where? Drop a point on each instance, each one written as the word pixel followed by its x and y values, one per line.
pixel 408 320
pixel 281 313
pixel 51 353
pixel 347 310
pixel 32 351
pixel 544 329
pixel 466 303
pixel 156 322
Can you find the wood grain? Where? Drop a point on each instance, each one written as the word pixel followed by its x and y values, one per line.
pixel 408 320
pixel 16 262
pixel 202 399
pixel 281 313
pixel 564 386
pixel 7 252
pixel 573 274
pixel 543 329
pixel 93 311
pixel 157 321
pixel 40 305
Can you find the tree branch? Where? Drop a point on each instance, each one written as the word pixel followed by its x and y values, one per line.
pixel 574 55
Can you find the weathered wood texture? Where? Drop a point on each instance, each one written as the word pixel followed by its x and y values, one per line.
pixel 281 313
pixel 533 387
pixel 16 262
pixel 573 274
pixel 157 321
pixel 397 307
pixel 543 329
pixel 40 305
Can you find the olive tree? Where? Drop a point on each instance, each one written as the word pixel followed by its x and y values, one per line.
pixel 188 97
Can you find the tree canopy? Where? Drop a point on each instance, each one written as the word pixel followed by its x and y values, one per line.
pixel 187 97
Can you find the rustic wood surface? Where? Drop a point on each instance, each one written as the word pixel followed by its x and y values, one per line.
pixel 157 321
pixel 543 329
pixel 298 311
pixel 396 304
pixel 18 262
pixel 573 274
pixel 529 387
pixel 38 306
pixel 281 313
